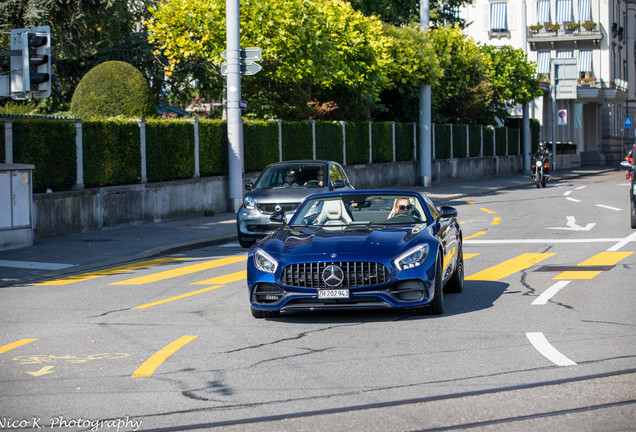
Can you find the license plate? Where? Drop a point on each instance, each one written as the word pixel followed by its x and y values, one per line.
pixel 333 293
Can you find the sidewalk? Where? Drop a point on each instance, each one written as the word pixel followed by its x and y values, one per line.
pixel 82 252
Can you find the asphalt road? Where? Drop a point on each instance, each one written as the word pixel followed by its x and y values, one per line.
pixel 543 337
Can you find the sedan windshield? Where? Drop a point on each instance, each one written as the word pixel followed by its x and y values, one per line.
pixel 292 176
pixel 360 210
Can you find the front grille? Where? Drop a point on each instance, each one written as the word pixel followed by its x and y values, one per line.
pixel 266 293
pixel 271 208
pixel 356 274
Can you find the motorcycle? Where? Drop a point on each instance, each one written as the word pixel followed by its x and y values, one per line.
pixel 540 170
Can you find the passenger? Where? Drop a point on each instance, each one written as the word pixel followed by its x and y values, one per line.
pixel 291 178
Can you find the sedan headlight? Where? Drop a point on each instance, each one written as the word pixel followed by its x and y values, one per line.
pixel 248 203
pixel 412 257
pixel 264 261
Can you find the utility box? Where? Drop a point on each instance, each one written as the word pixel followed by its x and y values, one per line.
pixel 566 78
pixel 16 202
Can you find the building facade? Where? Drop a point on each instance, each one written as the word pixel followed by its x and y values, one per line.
pixel 585 56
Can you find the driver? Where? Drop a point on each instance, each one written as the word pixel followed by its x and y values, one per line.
pixel 401 206
pixel 291 179
pixel 319 181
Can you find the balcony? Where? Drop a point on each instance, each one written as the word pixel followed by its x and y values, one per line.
pixel 564 34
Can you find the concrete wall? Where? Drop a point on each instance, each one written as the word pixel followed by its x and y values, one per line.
pixel 94 209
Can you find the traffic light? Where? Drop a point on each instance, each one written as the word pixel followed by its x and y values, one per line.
pixel 31 72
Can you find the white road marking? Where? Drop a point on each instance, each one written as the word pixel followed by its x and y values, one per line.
pixel 567 193
pixel 608 207
pixel 34 265
pixel 572 226
pixel 541 344
pixel 550 292
pixel 623 242
pixel 580 187
pixel 573 199
pixel 549 241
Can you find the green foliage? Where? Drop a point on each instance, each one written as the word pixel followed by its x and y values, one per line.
pixel 113 89
pixel 404 141
pixel 442 141
pixel 474 138
pixel 357 143
pixel 500 141
pixel 260 144
pixel 50 146
pixel 111 152
pixel 459 141
pixel 488 141
pixel 297 141
pixel 169 150
pixel 329 141
pixel 382 142
pixel 213 147
pixel 400 12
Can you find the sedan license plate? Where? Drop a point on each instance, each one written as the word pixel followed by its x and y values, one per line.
pixel 333 293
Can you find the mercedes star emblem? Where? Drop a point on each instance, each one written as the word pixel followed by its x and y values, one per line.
pixel 277 208
pixel 332 275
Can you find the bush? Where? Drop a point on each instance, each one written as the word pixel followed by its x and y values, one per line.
pixel 113 89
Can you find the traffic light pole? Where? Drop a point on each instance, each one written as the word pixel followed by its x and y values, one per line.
pixel 234 122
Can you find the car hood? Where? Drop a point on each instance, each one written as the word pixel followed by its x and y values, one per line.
pixel 315 244
pixel 283 195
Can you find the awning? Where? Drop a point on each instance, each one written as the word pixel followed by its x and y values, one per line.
pixel 498 16
pixel 543 62
pixel 585 11
pixel 565 54
pixel 543 11
pixel 585 61
pixel 564 10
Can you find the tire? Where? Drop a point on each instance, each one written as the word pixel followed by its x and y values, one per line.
pixel 456 282
pixel 543 183
pixel 437 307
pixel 259 313
pixel 538 182
pixel 633 213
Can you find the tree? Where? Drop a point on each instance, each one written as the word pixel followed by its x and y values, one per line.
pixel 401 12
pixel 312 47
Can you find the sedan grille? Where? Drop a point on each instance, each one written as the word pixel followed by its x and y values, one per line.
pixel 355 274
pixel 271 208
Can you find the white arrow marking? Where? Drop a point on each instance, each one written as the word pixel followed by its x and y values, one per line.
pixel 45 370
pixel 572 226
pixel 542 345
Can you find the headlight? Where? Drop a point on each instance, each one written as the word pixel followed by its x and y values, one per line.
pixel 412 258
pixel 248 203
pixel 539 163
pixel 264 261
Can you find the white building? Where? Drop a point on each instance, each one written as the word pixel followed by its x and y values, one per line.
pixel 589 46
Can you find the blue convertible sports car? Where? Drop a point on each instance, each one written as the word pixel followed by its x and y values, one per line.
pixel 359 249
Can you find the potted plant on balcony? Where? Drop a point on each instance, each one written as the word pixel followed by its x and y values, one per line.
pixel 535 28
pixel 552 27
pixel 572 26
pixel 589 25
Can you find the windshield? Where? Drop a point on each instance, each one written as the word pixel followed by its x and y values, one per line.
pixel 292 176
pixel 360 209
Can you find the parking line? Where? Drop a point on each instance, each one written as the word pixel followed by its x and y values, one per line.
pixel 487 211
pixel 480 233
pixel 509 267
pixel 155 277
pixel 496 221
pixel 150 365
pixel 107 272
pixel 601 259
pixel 225 279
pixel 177 297
pixel 16 344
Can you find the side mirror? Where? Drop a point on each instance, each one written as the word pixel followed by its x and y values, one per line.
pixel 448 212
pixel 626 165
pixel 337 184
pixel 278 218
pixel 249 186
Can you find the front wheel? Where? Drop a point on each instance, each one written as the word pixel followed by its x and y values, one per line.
pixel 437 307
pixel 456 283
pixel 633 212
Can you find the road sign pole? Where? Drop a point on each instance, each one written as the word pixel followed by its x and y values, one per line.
pixel 425 112
pixel 234 122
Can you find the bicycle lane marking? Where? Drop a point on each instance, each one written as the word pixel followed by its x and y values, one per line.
pixel 150 365
pixel 14 345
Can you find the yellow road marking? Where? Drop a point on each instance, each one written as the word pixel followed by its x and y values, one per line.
pixel 106 272
pixel 509 267
pixel 225 279
pixel 601 259
pixel 470 255
pixel 487 211
pixel 178 297
pixel 480 233
pixel 181 271
pixel 15 344
pixel 469 202
pixel 496 221
pixel 150 365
